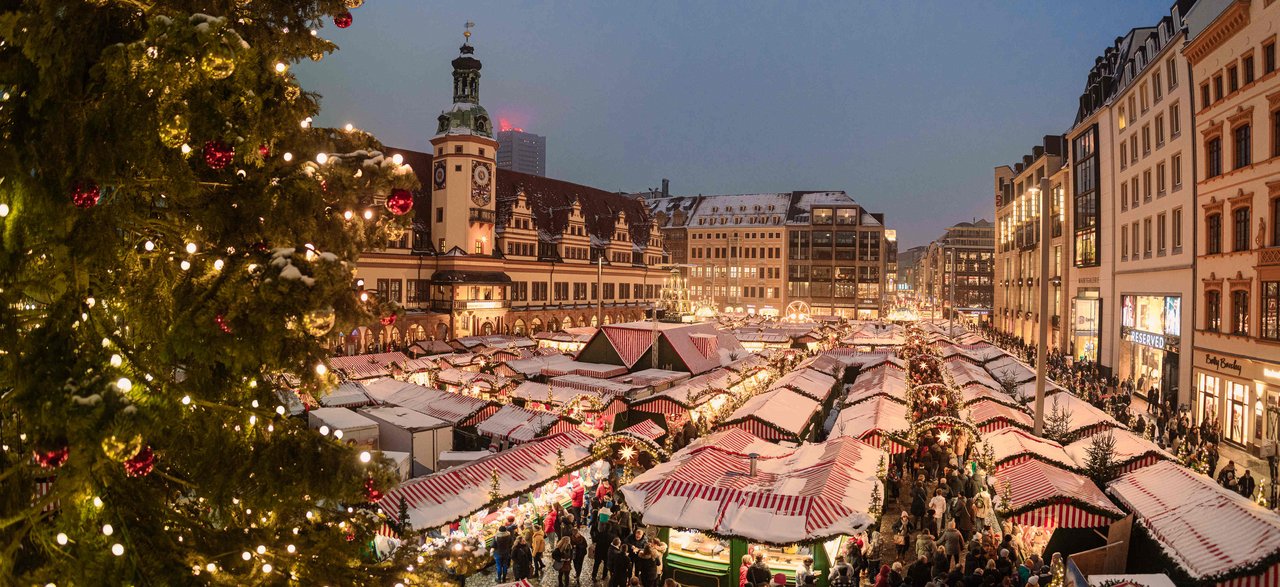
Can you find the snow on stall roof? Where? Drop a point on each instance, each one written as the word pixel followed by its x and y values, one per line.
pixel 984 411
pixel 342 418
pixel 560 394
pixel 651 377
pixel 1083 414
pixel 1146 580
pixel 582 369
pixel 366 366
pixel 405 418
pixel 532 366
pixel 797 494
pixel 348 394
pixel 1009 443
pixel 808 382
pixel 1031 481
pixel 1008 366
pixel 782 407
pixel 517 424
pixel 1206 529
pixel 878 414
pixel 1129 446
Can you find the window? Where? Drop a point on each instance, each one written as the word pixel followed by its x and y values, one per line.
pixel 1159 130
pixel 457 148
pixel 1124 242
pixel 1121 120
pixel 1175 124
pixel 1275 133
pixel 479 247
pixel 1124 154
pixel 1247 65
pixel 1135 239
pixel 1133 148
pixel 1233 79
pixel 1243 156
pixel 1085 197
pixel 1156 87
pixel 1146 186
pixel 1162 233
pixel 439 214
pixel 1160 183
pixel 1240 312
pixel 1275 222
pixel 1217 87
pixel 1171 72
pixel 1143 91
pixel 1213 311
pixel 1213 234
pixel 1269 326
pixel 1240 229
pixel 1146 237
pixel 1133 190
pixel 1146 140
pixel 1204 95
pixel 1175 166
pixel 1269 57
pixel 1177 229
pixel 1213 156
pixel 1124 195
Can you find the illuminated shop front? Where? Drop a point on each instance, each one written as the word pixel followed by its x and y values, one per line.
pixel 1150 342
pixel 1086 321
pixel 1242 395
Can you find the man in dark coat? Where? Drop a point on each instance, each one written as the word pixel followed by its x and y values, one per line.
pixel 1246 484
pixel 619 564
pixel 602 537
pixel 919 572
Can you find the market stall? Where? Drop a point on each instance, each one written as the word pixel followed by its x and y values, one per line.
pixel 881 422
pixel 356 367
pixel 1035 493
pixel 807 382
pixel 990 416
pixel 1010 446
pixel 1211 534
pixel 1085 418
pixel 731 492
pixel 456 409
pixel 1131 452
pixel 423 436
pixel 348 394
pixel 778 415
pixel 964 373
pixel 514 425
pixel 886 380
pixel 346 425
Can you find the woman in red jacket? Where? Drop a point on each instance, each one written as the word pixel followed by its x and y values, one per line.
pixel 742 571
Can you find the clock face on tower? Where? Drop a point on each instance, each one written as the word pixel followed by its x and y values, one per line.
pixel 438 175
pixel 481 183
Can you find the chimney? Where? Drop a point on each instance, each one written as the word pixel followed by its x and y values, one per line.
pixel 666 187
pixel 753 457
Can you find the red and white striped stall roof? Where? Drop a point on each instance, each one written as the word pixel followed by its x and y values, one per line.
pixel 646 429
pixel 454 408
pixel 990 416
pixel 517 424
pixel 964 373
pixel 576 368
pixel 870 418
pixel 1013 444
pixel 807 382
pixel 886 379
pixel 1084 416
pixel 1131 449
pixel 1207 530
pixel 784 409
pixel 444 497
pixel 979 352
pixel 366 366
pixel 1008 367
pixel 796 494
pixel 1033 481
pixel 978 392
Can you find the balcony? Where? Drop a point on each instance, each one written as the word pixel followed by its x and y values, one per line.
pixel 453 305
pixel 1269 257
pixel 483 215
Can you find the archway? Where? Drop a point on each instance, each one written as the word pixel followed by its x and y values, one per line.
pixel 442 331
pixel 595 320
pixel 582 321
pixel 418 333
pixel 608 319
pixel 553 325
pixel 486 328
pixel 518 328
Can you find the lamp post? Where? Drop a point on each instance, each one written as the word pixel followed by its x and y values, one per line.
pixel 1042 343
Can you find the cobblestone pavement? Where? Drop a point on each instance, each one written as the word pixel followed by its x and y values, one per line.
pixel 487 578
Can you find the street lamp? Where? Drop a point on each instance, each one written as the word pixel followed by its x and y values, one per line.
pixel 1042 343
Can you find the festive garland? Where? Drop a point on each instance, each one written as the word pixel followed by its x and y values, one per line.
pixel 881 393
pixel 1059 464
pixel 622 435
pixel 1052 501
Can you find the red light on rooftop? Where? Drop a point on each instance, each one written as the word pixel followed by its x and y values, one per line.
pixel 503 124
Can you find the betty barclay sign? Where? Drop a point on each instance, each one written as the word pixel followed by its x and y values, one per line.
pixel 1239 367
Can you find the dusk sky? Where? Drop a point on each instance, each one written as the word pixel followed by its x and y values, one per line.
pixel 907 106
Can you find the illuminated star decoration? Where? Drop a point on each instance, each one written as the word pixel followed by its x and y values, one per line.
pixel 626 453
pixel 935 398
pixel 944 436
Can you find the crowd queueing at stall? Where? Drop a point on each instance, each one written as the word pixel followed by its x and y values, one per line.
pixel 1163 422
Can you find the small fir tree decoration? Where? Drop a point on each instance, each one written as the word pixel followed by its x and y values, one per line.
pixel 1057 424
pixel 495 486
pixel 1006 497
pixel 551 397
pixel 881 470
pixel 403 515
pixel 1101 462
pixel 988 460
pixel 877 504
pixel 560 464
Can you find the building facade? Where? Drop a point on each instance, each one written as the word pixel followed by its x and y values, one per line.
pixel 1017 240
pixel 960 268
pixel 812 253
pixel 1153 206
pixel 522 151
pixel 1236 366
pixel 495 251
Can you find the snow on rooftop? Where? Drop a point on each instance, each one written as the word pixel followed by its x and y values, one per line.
pixel 405 418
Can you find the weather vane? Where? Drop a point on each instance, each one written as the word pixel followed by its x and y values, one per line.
pixel 467 33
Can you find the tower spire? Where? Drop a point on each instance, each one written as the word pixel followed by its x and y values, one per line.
pixel 466 34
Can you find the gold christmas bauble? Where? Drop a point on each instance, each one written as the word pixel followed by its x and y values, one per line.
pixel 319 322
pixel 291 93
pixel 354 3
pixel 317 56
pixel 219 62
pixel 172 128
pixel 118 449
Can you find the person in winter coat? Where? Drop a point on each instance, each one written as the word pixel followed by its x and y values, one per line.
pixel 952 542
pixel 602 537
pixel 538 545
pixel 941 562
pixel 549 523
pixel 882 578
pixel 619 564
pixel 1246 485
pixel 759 571
pixel 521 559
pixel 647 568
pixel 744 570
pixel 578 499
pixel 981 510
pixel 502 543
pixel 924 544
pixel 844 578
pixel 963 516
pixel 579 543
pixel 563 557
pixel 919 572
pixel 938 507
pixel 902 534
pixel 895 575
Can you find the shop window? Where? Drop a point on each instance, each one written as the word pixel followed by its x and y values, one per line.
pixel 1237 411
pixel 1269 311
pixel 1209 396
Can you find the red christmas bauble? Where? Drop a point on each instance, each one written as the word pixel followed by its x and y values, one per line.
pixel 222 323
pixel 371 491
pixel 141 464
pixel 388 320
pixel 217 154
pixel 264 150
pixel 85 194
pixel 50 459
pixel 342 20
pixel 400 202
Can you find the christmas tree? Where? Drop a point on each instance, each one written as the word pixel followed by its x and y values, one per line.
pixel 1101 462
pixel 175 239
pixel 1057 423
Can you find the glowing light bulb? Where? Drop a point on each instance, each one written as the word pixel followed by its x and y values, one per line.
pixel 348 215
pixel 107 530
pixel 254 403
pixel 212 568
pixel 337 434
pixel 349 127
pixel 368 214
pixel 186 149
pixel 261 549
pixel 4 210
pixel 185 265
pixel 62 539
pixel 280 410
pixel 97 502
pixel 116 360
pixel 397 159
pixel 217 265
pixel 281 67
pixel 149 246
pixel 191 248
pixel 365 456
pixel 306 122
pixel 246 555
pixel 324 430
pixel 287 156
pixel 123 384
pixel 291 548
pixel 364 296
pixel 117 549
pixel 266 567
pixel 322 158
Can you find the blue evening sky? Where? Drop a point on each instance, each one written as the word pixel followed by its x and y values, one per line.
pixel 906 105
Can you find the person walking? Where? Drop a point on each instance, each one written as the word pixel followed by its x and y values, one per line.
pixel 619 564
pixel 580 544
pixel 521 559
pixel 744 571
pixel 538 545
pixel 562 561
pixel 602 536
pixel 1246 484
pixel 938 506
pixel 647 568
pixel 502 542
pixel 902 535
pixel 952 542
